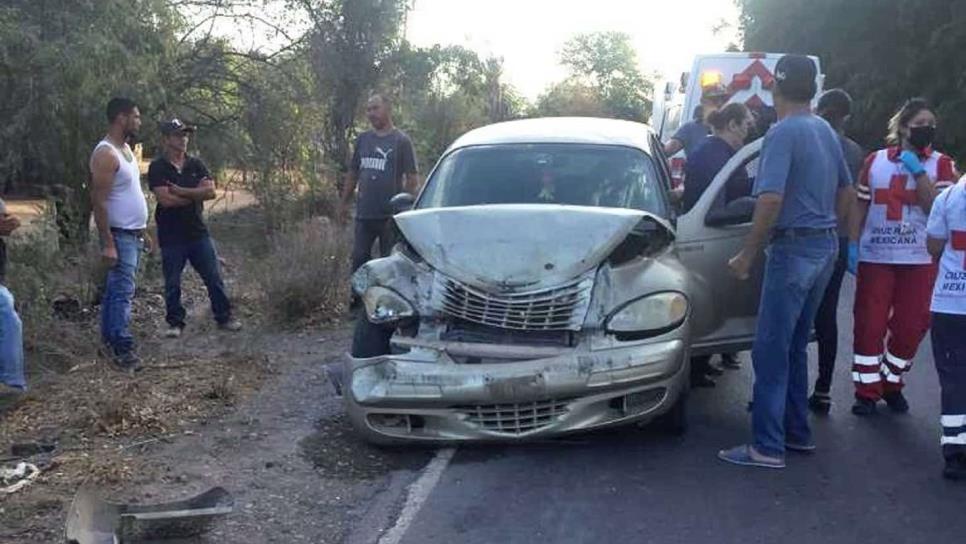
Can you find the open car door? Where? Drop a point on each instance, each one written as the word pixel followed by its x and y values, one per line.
pixel 725 309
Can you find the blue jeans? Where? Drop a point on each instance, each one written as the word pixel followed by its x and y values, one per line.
pixel 203 258
pixel 797 271
pixel 11 343
pixel 119 292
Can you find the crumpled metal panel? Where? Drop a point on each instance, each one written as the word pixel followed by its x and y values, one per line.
pixel 516 247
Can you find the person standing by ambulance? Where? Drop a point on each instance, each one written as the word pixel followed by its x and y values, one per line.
pixel 894 272
pixel 946 240
pixel 835 106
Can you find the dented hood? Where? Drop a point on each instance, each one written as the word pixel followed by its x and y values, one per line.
pixel 516 246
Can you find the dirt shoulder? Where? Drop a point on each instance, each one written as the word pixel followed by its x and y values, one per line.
pixel 276 438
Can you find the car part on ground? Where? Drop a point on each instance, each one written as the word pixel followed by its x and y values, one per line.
pixel 92 520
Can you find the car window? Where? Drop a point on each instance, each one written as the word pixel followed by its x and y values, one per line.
pixel 570 174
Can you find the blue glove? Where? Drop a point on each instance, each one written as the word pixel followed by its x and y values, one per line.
pixel 911 161
pixel 853 262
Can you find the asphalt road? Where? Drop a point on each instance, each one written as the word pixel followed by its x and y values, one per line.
pixel 872 480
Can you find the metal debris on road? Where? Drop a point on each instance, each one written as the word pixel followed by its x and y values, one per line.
pixel 92 520
pixel 15 479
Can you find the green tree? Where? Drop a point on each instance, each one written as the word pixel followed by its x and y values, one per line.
pixel 442 92
pixel 350 40
pixel 606 64
pixel 571 98
pixel 60 62
pixel 881 51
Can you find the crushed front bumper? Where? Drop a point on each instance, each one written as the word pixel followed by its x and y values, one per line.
pixel 424 395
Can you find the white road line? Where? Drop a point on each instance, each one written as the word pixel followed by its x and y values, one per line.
pixel 417 495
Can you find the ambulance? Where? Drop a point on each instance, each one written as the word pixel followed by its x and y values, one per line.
pixel 749 78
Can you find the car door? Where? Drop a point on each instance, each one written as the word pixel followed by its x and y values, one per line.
pixel 724 308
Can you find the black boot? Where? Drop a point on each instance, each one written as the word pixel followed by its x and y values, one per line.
pixel 955 467
pixel 863 407
pixel 820 402
pixel 897 402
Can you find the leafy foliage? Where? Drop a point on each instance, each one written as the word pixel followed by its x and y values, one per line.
pixel 604 81
pixel 881 51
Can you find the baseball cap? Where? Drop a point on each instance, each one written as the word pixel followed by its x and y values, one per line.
pixel 175 125
pixel 795 77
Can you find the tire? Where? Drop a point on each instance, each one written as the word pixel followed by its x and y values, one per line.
pixel 675 421
pixel 370 340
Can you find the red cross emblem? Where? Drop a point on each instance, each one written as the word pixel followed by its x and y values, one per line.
pixel 895 196
pixel 959 243
pixel 742 80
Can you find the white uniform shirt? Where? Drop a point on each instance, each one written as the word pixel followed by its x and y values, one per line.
pixel 947 221
pixel 895 227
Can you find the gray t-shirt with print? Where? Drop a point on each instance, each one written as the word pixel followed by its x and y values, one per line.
pixel 379 163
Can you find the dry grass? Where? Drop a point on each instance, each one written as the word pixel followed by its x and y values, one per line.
pixel 305 274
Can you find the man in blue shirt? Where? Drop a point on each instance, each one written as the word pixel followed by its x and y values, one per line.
pixel 693 133
pixel 802 182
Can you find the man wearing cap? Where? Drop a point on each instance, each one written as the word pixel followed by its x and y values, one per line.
pixel 691 134
pixel 803 189
pixel 181 184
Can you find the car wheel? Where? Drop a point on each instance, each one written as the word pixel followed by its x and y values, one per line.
pixel 369 339
pixel 675 421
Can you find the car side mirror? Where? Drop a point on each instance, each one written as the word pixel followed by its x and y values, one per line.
pixel 737 212
pixel 403 202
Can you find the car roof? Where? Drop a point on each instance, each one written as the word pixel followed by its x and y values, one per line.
pixel 569 130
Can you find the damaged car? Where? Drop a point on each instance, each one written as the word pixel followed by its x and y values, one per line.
pixel 542 284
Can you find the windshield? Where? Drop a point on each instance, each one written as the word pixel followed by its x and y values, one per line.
pixel 571 174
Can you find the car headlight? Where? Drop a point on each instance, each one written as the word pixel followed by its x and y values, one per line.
pixel 384 305
pixel 649 316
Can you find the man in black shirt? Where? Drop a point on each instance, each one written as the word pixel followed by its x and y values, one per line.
pixel 383 165
pixel 181 184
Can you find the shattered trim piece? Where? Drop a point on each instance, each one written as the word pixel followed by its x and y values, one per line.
pixel 24 474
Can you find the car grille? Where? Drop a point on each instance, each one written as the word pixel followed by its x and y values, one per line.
pixel 558 308
pixel 517 418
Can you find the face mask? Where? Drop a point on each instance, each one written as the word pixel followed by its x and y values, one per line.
pixel 922 137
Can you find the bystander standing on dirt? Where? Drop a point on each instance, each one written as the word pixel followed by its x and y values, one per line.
pixel 121 215
pixel 182 184
pixel 383 165
pixel 12 380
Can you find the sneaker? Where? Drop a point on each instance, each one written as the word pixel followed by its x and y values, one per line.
pixel 713 371
pixel 747 455
pixel 864 407
pixel 127 362
pixel 820 402
pixel 172 332
pixel 955 468
pixel 232 325
pixel 897 402
pixel 730 361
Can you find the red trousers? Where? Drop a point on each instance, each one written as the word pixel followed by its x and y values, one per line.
pixel 893 299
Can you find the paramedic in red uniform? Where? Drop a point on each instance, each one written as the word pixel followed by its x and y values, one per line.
pixel 895 273
pixel 946 232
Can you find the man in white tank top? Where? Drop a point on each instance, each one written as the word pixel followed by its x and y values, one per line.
pixel 121 215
